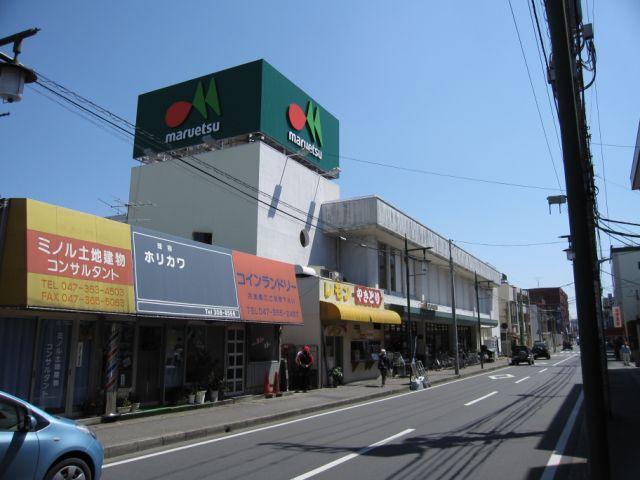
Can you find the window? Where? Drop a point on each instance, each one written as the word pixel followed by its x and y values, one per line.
pixel 382 266
pixel 392 270
pixel 9 417
pixel 304 238
pixel 203 237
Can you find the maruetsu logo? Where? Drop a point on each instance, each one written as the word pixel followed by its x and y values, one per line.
pixel 298 119
pixel 179 112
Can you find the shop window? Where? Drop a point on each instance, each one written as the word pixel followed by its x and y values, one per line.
pixel 51 374
pixel 361 351
pixel 205 353
pixel 263 343
pixel 16 355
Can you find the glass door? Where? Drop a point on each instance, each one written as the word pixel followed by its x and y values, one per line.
pixel 235 360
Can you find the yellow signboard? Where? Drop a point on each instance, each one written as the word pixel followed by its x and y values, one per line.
pixel 77 261
pixel 349 294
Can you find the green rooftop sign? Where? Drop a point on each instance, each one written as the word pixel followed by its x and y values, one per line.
pixel 250 98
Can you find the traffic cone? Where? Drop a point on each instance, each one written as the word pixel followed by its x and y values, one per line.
pixel 267 387
pixel 276 385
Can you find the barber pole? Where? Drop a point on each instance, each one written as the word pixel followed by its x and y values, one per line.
pixel 111 376
pixel 111 372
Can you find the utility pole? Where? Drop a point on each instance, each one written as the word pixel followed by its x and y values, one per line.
pixel 565 27
pixel 412 353
pixel 406 269
pixel 453 312
pixel 479 327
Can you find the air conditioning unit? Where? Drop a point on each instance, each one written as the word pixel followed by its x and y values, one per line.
pixel 331 274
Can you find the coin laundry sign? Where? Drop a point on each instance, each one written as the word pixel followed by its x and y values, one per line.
pixel 250 98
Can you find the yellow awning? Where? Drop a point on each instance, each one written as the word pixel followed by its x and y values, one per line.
pixel 353 313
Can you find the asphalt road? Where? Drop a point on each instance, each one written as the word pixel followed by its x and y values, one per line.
pixel 501 425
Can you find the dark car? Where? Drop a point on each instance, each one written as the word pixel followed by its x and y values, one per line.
pixel 540 350
pixel 521 354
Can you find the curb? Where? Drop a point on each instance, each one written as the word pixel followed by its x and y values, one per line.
pixel 143 444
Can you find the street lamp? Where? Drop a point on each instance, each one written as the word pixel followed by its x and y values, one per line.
pixel 569 251
pixel 13 75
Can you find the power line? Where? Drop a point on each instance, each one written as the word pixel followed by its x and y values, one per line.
pixel 533 90
pixel 201 167
pixel 457 177
pixel 509 245
pixel 619 221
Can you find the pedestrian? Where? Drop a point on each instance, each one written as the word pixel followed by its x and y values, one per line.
pixel 384 365
pixel 304 360
pixel 625 351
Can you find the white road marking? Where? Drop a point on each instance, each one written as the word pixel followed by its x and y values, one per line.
pixel 522 379
pixel 291 422
pixel 501 376
pixel 351 456
pixel 562 361
pixel 556 457
pixel 543 370
pixel 480 399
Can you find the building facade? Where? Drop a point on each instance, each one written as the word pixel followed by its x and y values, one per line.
pixel 554 304
pixel 625 271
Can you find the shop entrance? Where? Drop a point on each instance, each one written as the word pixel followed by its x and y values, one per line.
pixel 235 360
pixel 148 382
pixel 335 354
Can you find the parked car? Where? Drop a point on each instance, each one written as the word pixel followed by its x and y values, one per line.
pixel 566 345
pixel 521 354
pixel 540 350
pixel 37 445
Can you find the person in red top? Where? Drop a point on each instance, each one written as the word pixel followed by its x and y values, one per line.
pixel 304 360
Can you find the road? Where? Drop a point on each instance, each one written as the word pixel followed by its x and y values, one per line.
pixel 503 424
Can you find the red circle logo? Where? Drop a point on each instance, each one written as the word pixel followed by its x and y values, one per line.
pixel 297 118
pixel 177 113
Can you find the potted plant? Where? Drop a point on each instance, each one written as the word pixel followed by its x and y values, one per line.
pixel 135 402
pixel 191 397
pixel 335 374
pixel 201 391
pixel 216 387
pixel 123 404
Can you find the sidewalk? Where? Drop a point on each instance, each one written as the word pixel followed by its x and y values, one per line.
pixel 143 433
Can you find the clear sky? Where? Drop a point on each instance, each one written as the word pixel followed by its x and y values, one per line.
pixel 429 94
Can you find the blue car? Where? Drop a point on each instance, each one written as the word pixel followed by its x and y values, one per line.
pixel 36 445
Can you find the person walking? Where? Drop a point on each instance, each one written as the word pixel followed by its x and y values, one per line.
pixel 384 365
pixel 304 360
pixel 625 351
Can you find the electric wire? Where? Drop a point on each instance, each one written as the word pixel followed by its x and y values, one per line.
pixel 112 120
pixel 202 166
pixel 545 71
pixel 544 131
pixel 509 244
pixel 458 177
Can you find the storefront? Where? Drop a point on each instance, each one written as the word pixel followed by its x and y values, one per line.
pixel 432 331
pixel 90 306
pixel 346 322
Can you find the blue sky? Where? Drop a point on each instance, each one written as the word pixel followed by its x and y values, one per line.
pixel 426 92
